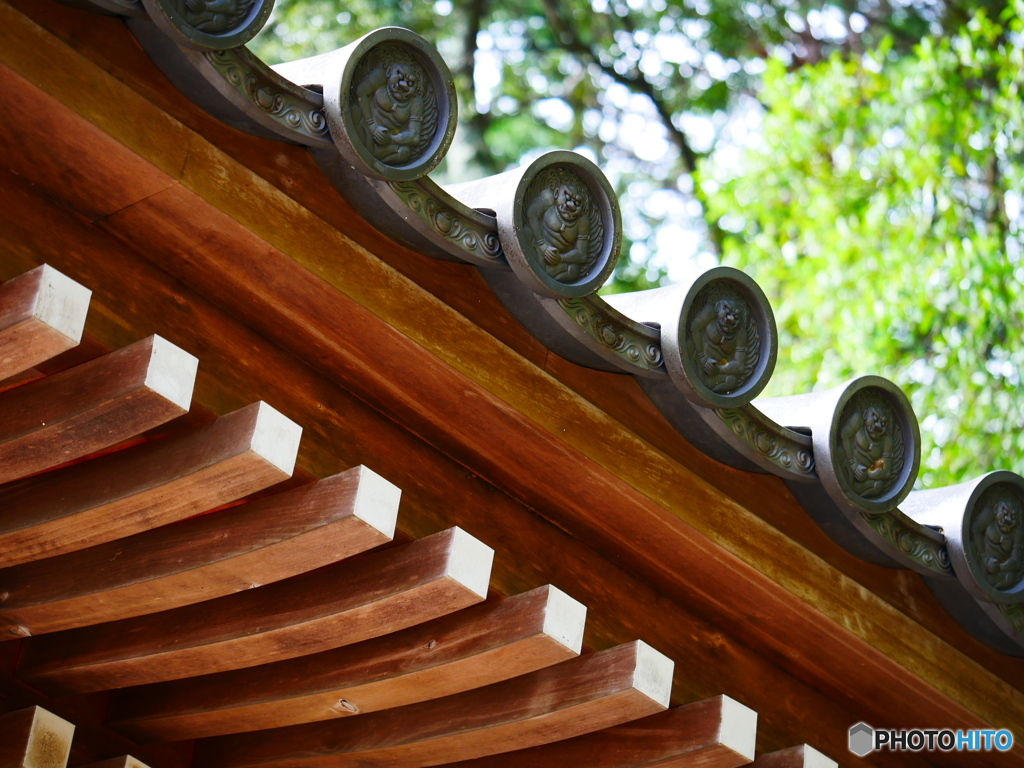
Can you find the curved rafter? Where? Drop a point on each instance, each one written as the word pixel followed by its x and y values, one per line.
pixel 485 644
pixel 192 561
pixel 586 694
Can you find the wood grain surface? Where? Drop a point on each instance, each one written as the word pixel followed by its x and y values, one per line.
pixel 584 694
pixel 42 314
pixel 714 733
pixel 127 761
pixel 343 431
pixel 488 643
pixel 93 406
pixel 145 486
pixel 357 599
pixel 205 557
pixel 803 756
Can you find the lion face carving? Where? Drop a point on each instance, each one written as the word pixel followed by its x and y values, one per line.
pixel 1007 518
pixel 394 105
pixel 214 16
pixel 729 316
pixel 402 82
pixel 876 423
pixel 569 202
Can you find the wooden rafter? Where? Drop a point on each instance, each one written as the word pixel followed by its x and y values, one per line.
pixel 42 313
pixel 585 694
pixel 193 561
pixel 89 408
pixel 714 733
pixel 495 641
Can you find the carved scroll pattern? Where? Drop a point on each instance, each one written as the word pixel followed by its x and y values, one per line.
pixel 615 336
pixel 902 534
pixel 293 112
pixel 772 446
pixel 465 234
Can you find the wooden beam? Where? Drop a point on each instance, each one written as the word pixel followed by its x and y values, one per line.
pixel 581 695
pixel 204 557
pixel 93 406
pixel 143 487
pixel 34 738
pixel 714 733
pixel 360 598
pixel 478 646
pixel 42 313
pixel 804 756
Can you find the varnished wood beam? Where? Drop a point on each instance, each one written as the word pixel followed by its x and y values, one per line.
pixel 714 733
pixel 142 487
pixel 92 406
pixel 485 644
pixel 34 738
pixel 42 313
pixel 804 756
pixel 360 598
pixel 204 557
pixel 585 694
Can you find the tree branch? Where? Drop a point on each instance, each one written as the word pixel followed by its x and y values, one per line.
pixel 478 122
pixel 637 83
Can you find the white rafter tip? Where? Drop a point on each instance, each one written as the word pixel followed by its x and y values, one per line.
pixel 815 759
pixel 738 731
pixel 565 619
pixel 276 438
pixel 172 372
pixel 469 562
pixel 653 675
pixel 62 303
pixel 377 501
pixel 53 734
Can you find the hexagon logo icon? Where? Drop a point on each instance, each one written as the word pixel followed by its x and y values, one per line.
pixel 862 739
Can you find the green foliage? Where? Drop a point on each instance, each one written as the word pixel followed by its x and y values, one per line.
pixel 882 214
pixel 643 88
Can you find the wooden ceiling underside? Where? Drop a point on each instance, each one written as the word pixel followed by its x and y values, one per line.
pixel 232 247
pixel 181 569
